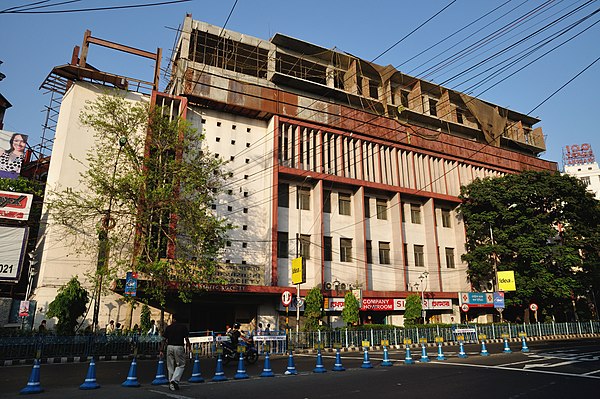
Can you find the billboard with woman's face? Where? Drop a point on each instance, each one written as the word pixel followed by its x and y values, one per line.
pixel 12 153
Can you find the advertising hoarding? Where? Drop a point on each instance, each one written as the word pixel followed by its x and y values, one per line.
pixel 15 206
pixel 12 153
pixel 12 252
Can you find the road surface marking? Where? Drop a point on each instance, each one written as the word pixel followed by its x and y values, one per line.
pixel 171 395
pixel 522 370
pixel 592 372
pixel 521 362
pixel 528 366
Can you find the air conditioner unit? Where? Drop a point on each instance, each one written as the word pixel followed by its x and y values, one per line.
pixel 328 286
pixel 343 286
pixel 488 286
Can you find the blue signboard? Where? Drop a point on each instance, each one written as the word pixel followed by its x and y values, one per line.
pixel 477 299
pixel 131 284
pixel 499 300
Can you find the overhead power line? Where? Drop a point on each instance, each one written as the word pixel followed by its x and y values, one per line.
pixel 28 11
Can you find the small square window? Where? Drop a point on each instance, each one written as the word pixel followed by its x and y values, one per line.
pixel 217 139
pixel 228 243
pixel 229 208
pixel 233 142
pixel 244 227
pixel 244 245
pixel 446 220
pixel 415 213
pixel 230 174
pixel 247 160
pixel 243 262
pixel 245 193
pixel 233 127
pixel 203 120
pixel 245 210
pixel 213 206
pixel 248 130
pixel 218 124
pixel 245 176
pixel 217 156
pixel 230 192
pixel 227 261
pixel 248 145
pixel 344 204
pixel 381 209
pixel 231 158
pixel 214 190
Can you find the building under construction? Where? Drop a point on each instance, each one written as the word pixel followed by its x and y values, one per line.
pixel 353 166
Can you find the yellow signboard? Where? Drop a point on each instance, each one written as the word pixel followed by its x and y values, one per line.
pixel 506 281
pixel 298 271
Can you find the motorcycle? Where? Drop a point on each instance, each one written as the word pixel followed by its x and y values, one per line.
pixel 231 353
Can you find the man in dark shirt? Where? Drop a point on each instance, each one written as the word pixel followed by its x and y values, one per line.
pixel 176 340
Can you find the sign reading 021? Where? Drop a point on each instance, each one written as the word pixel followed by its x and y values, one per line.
pixel 298 271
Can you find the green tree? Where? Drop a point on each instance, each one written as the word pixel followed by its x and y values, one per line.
pixel 412 310
pixel 545 227
pixel 313 309
pixel 145 322
pixel 69 305
pixel 147 189
pixel 350 313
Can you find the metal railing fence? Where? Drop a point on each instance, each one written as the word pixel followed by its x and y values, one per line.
pixel 206 343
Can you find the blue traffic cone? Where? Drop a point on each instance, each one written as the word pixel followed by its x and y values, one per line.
pixel 484 351
pixel 33 385
pixel 241 370
pixel 424 358
pixel 196 375
pixel 440 355
pixel 131 381
pixel 461 353
pixel 291 367
pixel 219 373
pixel 161 378
pixel 366 364
pixel 524 348
pixel 319 368
pixel 386 359
pixel 506 347
pixel 90 378
pixel 408 358
pixel 267 372
pixel 338 362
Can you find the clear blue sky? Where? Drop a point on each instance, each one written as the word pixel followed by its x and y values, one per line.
pixel 33 44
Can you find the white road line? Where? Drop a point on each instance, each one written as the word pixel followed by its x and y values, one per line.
pixel 592 372
pixel 521 370
pixel 171 395
pixel 521 362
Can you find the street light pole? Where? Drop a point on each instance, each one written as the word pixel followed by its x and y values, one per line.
pixel 422 277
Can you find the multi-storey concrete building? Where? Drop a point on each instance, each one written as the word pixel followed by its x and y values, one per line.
pixel 354 166
pixel 579 161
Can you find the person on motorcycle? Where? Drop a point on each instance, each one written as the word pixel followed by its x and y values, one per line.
pixel 234 335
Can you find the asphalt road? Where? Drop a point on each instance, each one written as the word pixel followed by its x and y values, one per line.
pixel 558 369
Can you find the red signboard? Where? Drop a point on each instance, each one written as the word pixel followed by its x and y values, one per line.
pixel 578 154
pixel 379 304
pixel 15 206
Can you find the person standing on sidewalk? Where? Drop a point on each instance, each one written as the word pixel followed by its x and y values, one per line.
pixel 176 341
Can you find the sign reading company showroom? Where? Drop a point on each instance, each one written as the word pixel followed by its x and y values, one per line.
pixel 387 304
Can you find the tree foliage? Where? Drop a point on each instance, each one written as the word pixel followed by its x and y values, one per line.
pixel 313 309
pixel 147 188
pixel 413 310
pixel 145 321
pixel 350 313
pixel 545 228
pixel 69 305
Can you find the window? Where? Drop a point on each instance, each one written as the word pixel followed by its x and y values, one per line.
pixel 381 209
pixel 245 210
pixel 283 195
pixel 344 204
pixel 586 180
pixel 305 246
pixel 218 124
pixel 415 213
pixel 233 127
pixel 232 142
pixel 228 243
pixel 248 130
pixel 369 252
pixel 282 244
pixel 459 116
pixel 367 207
pixel 231 158
pixel 303 198
pixel 384 253
pixel 405 255
pixel 328 248
pixel 244 245
pixel 229 208
pixel 327 201
pixel 450 258
pixel 446 221
pixel 402 214
pixel 345 249
pixel 432 107
pixel 419 256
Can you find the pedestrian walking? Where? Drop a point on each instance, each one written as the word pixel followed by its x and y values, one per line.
pixel 176 341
